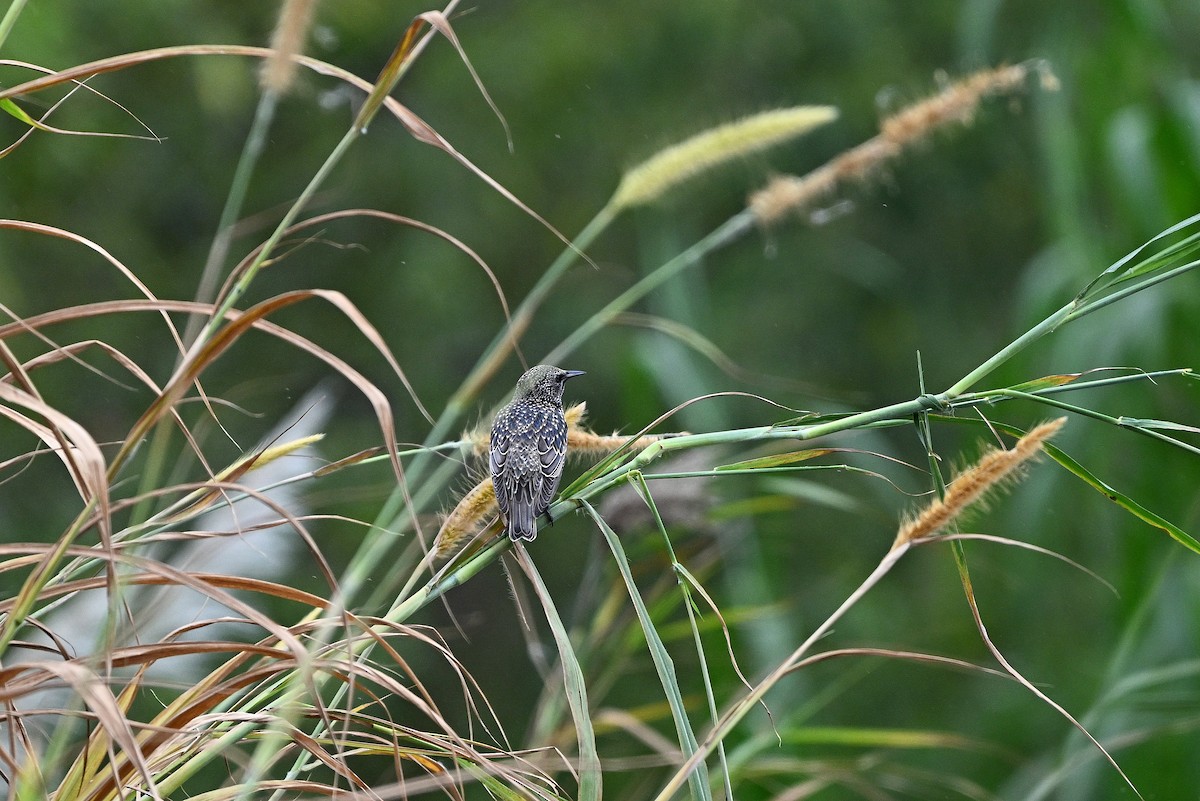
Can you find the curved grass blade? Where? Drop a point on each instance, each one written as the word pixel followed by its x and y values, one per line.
pixel 698 779
pixel 573 683
pixel 1094 481
pixel 1124 501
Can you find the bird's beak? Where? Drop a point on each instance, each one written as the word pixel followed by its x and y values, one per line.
pixel 573 373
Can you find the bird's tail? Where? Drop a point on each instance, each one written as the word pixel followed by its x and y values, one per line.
pixel 522 531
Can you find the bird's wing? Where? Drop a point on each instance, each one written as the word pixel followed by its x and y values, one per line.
pixel 526 465
pixel 497 458
pixel 552 448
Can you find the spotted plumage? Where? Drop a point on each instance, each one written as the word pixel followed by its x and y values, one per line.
pixel 528 448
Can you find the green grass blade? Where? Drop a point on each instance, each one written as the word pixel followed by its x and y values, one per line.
pixel 573 683
pixel 1122 271
pixel 663 663
pixel 1093 481
pixel 1123 501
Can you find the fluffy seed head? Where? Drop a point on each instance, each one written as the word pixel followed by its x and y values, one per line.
pixel 666 169
pixel 956 104
pixel 973 483
pixel 279 70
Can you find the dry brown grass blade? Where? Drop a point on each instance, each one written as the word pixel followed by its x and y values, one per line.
pixel 99 743
pixel 891 653
pixel 338 766
pixel 466 681
pixel 399 219
pixel 424 132
pixel 40 124
pixel 352 459
pixel 222 581
pixel 172 575
pixel 239 323
pixel 416 127
pixel 100 700
pixel 92 310
pixel 205 495
pixel 55 438
pixel 403 54
pixel 71 352
pixel 81 72
pixel 969 592
pixel 86 466
pixel 59 233
pixel 441 24
pixel 62 434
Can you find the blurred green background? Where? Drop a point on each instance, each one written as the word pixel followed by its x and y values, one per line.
pixel 959 248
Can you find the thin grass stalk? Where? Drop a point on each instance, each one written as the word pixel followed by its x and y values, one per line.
pixel 1113 686
pixel 1149 281
pixel 725 234
pixel 1086 301
pixel 960 561
pixel 1031 336
pixel 689 606
pixel 1119 422
pixel 42 574
pixel 749 701
pixel 590 775
pixel 10 19
pixel 1120 271
pixel 264 115
pixel 663 664
pixel 1148 375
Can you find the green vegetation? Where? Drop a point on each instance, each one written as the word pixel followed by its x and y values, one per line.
pixel 260 300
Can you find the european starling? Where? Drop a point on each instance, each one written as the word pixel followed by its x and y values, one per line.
pixel 528 448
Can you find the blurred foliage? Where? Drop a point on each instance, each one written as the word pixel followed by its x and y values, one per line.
pixel 963 246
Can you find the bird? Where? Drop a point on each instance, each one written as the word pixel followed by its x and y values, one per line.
pixel 528 447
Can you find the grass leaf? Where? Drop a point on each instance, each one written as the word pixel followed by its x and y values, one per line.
pixel 663 664
pixel 573 683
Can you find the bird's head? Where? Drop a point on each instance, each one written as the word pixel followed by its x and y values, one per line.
pixel 544 382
